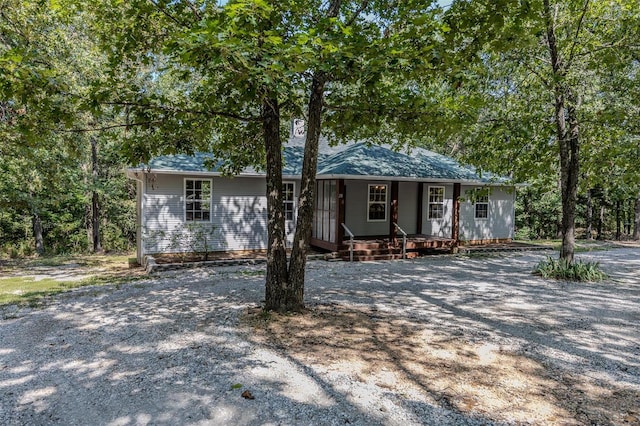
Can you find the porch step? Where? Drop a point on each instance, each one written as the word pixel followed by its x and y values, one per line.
pixel 363 255
pixel 367 245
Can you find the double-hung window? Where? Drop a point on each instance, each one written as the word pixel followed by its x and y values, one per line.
pixel 377 205
pixel 482 206
pixel 288 200
pixel 436 202
pixel 197 200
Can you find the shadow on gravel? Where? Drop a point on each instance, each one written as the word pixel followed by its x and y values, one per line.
pixel 157 355
pixel 440 341
pixel 575 344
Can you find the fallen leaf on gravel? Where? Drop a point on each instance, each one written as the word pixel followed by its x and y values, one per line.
pixel 630 419
pixel 236 386
pixel 247 395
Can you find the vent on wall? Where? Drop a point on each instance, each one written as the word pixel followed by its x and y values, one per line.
pixel 297 128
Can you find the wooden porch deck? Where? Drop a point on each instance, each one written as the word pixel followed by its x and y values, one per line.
pixel 381 248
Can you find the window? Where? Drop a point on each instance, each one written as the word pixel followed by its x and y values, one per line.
pixel 326 210
pixel 436 202
pixel 197 198
pixel 377 205
pixel 288 200
pixel 482 206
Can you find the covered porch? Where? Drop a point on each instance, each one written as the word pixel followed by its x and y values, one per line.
pixel 370 219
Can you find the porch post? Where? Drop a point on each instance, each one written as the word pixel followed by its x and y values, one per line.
pixel 455 225
pixel 394 211
pixel 340 203
pixel 420 207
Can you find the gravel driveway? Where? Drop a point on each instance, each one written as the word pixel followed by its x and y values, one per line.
pixel 177 348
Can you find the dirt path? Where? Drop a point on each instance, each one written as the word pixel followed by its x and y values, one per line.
pixel 443 340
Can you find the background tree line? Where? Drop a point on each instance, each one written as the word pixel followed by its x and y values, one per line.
pixel 68 106
pixel 543 91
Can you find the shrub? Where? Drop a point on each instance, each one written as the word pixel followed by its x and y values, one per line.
pixel 524 233
pixel 561 269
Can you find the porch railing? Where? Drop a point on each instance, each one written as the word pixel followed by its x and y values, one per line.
pixel 348 231
pixel 404 240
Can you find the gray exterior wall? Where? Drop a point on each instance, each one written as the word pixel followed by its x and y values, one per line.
pixel 438 227
pixel 356 213
pixel 500 223
pixel 408 206
pixel 238 215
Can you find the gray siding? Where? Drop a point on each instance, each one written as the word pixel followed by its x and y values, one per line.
pixel 408 206
pixel 139 209
pixel 438 227
pixel 238 216
pixel 355 215
pixel 499 224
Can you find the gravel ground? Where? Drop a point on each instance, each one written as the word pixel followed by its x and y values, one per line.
pixel 176 348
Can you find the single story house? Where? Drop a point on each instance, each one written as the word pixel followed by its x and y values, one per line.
pixel 363 191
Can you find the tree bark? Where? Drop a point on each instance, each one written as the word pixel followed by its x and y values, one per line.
pixel 37 232
pixel 600 223
pixel 636 221
pixel 306 201
pixel 277 289
pixel 568 139
pixel 95 201
pixel 589 214
pixel 618 229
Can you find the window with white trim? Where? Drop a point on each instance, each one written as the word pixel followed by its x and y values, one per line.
pixel 377 204
pixel 482 206
pixel 436 202
pixel 288 200
pixel 197 200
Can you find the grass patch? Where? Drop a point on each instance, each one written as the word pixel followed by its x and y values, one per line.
pixel 252 273
pixel 56 275
pixel 29 291
pixel 560 269
pixel 581 246
pixel 89 260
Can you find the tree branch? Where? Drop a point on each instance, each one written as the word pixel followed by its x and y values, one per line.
pixel 187 111
pixel 167 14
pixel 194 9
pixel 103 128
pixel 575 38
pixel 357 13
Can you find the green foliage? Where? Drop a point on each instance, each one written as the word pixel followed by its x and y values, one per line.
pixel 538 212
pixel 560 269
pixel 190 238
pixel 505 89
pixel 48 65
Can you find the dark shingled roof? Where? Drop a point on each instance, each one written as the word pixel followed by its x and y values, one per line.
pixel 183 162
pixel 355 160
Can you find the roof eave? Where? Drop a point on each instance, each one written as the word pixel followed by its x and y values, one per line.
pixel 413 179
pixel 134 172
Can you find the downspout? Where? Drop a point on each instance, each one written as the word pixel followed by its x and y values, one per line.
pixel 140 251
pixel 455 218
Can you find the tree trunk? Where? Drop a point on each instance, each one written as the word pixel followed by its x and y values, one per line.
pixel 600 223
pixel 628 209
pixel 618 230
pixel 306 201
pixel 37 232
pixel 589 218
pixel 636 221
pixel 95 202
pixel 568 140
pixel 277 289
